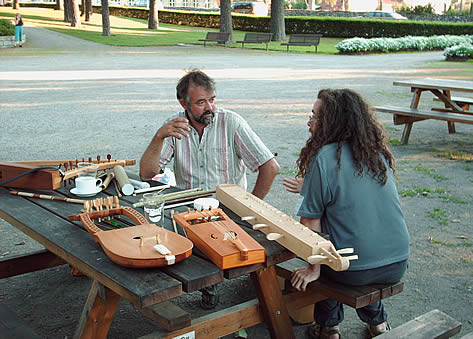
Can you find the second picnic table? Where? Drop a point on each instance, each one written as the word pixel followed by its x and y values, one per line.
pixel 456 109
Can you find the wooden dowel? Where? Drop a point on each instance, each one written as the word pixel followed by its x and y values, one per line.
pixel 47 197
pixel 107 180
pixel 150 189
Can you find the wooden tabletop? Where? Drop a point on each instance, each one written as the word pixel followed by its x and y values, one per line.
pixel 46 222
pixel 441 84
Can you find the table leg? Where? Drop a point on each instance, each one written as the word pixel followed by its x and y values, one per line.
pixel 450 124
pixel 408 126
pixel 272 303
pixel 98 312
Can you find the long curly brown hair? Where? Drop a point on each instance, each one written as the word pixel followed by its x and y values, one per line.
pixel 344 117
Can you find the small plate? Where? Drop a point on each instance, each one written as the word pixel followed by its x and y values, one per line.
pixel 90 194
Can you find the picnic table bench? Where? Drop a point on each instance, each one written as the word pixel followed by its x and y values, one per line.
pixel 256 38
pixel 321 289
pixel 219 37
pixel 455 110
pixel 303 40
pixel 433 324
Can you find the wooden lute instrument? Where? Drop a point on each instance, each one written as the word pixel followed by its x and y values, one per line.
pixel 225 243
pixel 141 246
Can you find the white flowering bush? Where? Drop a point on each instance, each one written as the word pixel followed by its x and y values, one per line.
pixel 463 51
pixel 420 43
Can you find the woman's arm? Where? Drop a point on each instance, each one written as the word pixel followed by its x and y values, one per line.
pixel 301 277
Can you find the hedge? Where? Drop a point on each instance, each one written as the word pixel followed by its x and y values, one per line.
pixel 6 28
pixel 327 26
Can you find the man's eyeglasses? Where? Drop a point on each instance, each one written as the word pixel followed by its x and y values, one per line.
pixel 311 118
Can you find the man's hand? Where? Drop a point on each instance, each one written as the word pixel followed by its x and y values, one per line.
pixel 177 127
pixel 303 276
pixel 149 164
pixel 293 185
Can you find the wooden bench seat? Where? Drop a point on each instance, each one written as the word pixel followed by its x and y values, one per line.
pixel 303 40
pixel 431 325
pixel 422 115
pixel 464 103
pixel 11 326
pixel 219 37
pixel 354 296
pixel 256 38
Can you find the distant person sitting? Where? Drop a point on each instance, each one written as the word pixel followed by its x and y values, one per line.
pixel 210 146
pixel 349 193
pixel 18 30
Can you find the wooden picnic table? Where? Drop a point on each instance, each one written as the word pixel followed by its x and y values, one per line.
pixel 151 290
pixel 452 112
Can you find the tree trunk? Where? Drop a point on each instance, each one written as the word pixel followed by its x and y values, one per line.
pixel 75 22
pixel 68 10
pixel 153 20
pixel 59 6
pixel 15 4
pixel 82 7
pixel 105 18
pixel 88 9
pixel 226 24
pixel 278 27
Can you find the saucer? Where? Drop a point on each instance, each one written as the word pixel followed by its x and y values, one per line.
pixel 89 194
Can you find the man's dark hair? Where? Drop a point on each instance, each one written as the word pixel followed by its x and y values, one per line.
pixel 345 117
pixel 194 77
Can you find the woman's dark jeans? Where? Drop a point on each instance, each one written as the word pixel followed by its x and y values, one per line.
pixel 329 312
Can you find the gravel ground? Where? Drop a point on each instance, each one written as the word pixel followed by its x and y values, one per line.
pixel 61 97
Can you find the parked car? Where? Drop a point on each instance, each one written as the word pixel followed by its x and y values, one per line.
pixel 145 3
pixel 383 15
pixel 249 7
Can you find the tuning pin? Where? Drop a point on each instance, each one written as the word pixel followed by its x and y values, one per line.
pixel 274 236
pixel 259 226
pixel 345 251
pixel 249 217
pixel 109 157
pixel 98 159
pixel 316 259
pixel 90 159
pixel 65 170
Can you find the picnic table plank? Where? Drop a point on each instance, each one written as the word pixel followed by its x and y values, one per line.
pixel 62 238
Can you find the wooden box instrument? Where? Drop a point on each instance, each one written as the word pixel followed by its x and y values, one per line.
pixel 141 246
pixel 282 228
pixel 225 243
pixel 48 178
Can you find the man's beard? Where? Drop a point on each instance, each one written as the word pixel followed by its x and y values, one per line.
pixel 206 117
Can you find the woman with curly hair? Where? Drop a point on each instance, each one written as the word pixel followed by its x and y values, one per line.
pixel 349 193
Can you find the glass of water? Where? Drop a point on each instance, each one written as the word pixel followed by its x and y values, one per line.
pixel 153 205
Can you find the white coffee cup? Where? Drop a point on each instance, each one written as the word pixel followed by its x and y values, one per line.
pixel 86 185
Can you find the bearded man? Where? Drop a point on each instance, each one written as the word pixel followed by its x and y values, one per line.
pixel 210 146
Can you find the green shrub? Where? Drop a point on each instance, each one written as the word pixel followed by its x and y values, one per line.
pixel 6 28
pixel 462 51
pixel 419 9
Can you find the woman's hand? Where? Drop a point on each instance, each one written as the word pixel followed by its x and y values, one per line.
pixel 293 185
pixel 301 277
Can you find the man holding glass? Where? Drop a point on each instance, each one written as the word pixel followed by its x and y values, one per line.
pixel 210 146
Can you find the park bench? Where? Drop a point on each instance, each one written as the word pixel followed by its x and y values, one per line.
pixel 11 326
pixel 256 38
pixel 433 324
pixel 303 40
pixel 219 37
pixel 354 296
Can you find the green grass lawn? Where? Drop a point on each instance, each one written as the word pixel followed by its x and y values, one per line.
pixel 134 32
